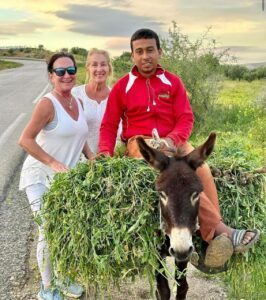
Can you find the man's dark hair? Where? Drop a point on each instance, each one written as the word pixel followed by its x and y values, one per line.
pixel 54 57
pixel 144 33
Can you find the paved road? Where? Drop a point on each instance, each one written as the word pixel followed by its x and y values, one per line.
pixel 19 89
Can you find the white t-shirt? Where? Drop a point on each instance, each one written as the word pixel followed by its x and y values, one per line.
pixel 94 112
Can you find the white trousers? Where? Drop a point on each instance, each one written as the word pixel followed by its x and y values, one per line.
pixel 34 193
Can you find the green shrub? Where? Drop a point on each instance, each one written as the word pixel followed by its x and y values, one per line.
pixel 122 65
pixel 198 65
pixel 241 184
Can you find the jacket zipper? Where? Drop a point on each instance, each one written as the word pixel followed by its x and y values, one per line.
pixel 150 95
pixel 151 100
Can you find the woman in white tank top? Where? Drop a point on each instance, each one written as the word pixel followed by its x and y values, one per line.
pixel 95 93
pixel 54 139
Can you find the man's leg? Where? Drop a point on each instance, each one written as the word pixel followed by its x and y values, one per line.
pixel 210 219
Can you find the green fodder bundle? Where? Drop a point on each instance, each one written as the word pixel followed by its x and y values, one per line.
pixel 240 181
pixel 101 221
pixel 101 218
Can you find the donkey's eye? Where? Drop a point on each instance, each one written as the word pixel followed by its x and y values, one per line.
pixel 194 198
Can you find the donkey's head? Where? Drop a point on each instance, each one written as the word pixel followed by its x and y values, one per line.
pixel 179 187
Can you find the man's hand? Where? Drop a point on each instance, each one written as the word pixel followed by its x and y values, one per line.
pixel 170 142
pixel 167 146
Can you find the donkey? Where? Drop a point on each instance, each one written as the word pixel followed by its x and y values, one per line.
pixel 179 189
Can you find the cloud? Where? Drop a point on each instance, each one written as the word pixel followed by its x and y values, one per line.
pixel 244 49
pixel 224 14
pixel 246 54
pixel 23 27
pixel 116 3
pixel 118 43
pixel 105 21
pixel 247 49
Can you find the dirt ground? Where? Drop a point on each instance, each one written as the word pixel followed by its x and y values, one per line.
pixel 200 287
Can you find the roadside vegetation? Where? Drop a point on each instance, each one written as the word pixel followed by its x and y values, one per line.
pixel 238 165
pixel 25 52
pixel 9 65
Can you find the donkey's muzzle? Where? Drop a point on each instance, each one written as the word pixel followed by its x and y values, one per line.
pixel 181 255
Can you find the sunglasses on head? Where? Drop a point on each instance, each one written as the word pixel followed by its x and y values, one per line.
pixel 62 71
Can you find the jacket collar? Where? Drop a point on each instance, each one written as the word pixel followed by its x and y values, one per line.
pixel 134 74
pixel 159 71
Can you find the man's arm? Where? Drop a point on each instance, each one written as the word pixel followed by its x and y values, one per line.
pixel 183 116
pixel 110 122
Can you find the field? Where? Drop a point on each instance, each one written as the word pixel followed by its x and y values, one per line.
pixel 8 65
pixel 239 120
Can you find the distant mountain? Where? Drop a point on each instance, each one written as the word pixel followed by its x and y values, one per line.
pixel 255 65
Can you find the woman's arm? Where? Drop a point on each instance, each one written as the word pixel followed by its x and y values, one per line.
pixel 87 152
pixel 42 114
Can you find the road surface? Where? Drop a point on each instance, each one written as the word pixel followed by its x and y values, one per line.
pixel 19 90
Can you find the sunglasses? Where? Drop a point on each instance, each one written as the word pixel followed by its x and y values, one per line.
pixel 62 71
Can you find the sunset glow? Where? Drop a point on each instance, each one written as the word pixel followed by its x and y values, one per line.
pixel 239 25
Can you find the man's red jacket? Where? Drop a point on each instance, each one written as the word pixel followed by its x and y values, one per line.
pixel 143 104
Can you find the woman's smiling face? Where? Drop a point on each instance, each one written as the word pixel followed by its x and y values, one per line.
pixel 67 81
pixel 98 68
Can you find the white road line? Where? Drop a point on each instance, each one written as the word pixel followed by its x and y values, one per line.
pixel 42 92
pixel 6 134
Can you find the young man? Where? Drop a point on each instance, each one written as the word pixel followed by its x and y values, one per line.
pixel 150 97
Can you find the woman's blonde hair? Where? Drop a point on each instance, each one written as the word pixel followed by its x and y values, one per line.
pixel 98 51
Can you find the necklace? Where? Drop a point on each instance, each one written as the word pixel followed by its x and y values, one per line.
pixel 70 101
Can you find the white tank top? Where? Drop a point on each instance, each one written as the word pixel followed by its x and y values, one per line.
pixel 94 113
pixel 65 143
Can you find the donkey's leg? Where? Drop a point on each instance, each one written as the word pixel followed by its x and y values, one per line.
pixel 182 287
pixel 162 290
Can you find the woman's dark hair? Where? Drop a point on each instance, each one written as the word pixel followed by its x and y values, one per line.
pixel 54 57
pixel 144 33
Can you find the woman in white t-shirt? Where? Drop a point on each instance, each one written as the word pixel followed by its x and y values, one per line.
pixel 94 94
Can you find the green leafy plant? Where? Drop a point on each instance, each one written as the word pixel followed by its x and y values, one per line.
pixel 102 223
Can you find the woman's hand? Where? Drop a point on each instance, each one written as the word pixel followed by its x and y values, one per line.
pixel 87 152
pixel 58 167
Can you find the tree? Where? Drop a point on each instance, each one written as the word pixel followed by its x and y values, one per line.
pixel 64 50
pixel 198 65
pixel 79 51
pixel 122 64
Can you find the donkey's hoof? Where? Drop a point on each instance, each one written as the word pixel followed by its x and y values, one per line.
pixel 218 252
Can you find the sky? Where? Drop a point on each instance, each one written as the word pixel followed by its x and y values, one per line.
pixel 236 24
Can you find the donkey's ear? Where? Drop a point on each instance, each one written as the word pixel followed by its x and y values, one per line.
pixel 154 157
pixel 197 157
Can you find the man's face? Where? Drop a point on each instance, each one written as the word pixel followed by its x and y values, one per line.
pixel 146 56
